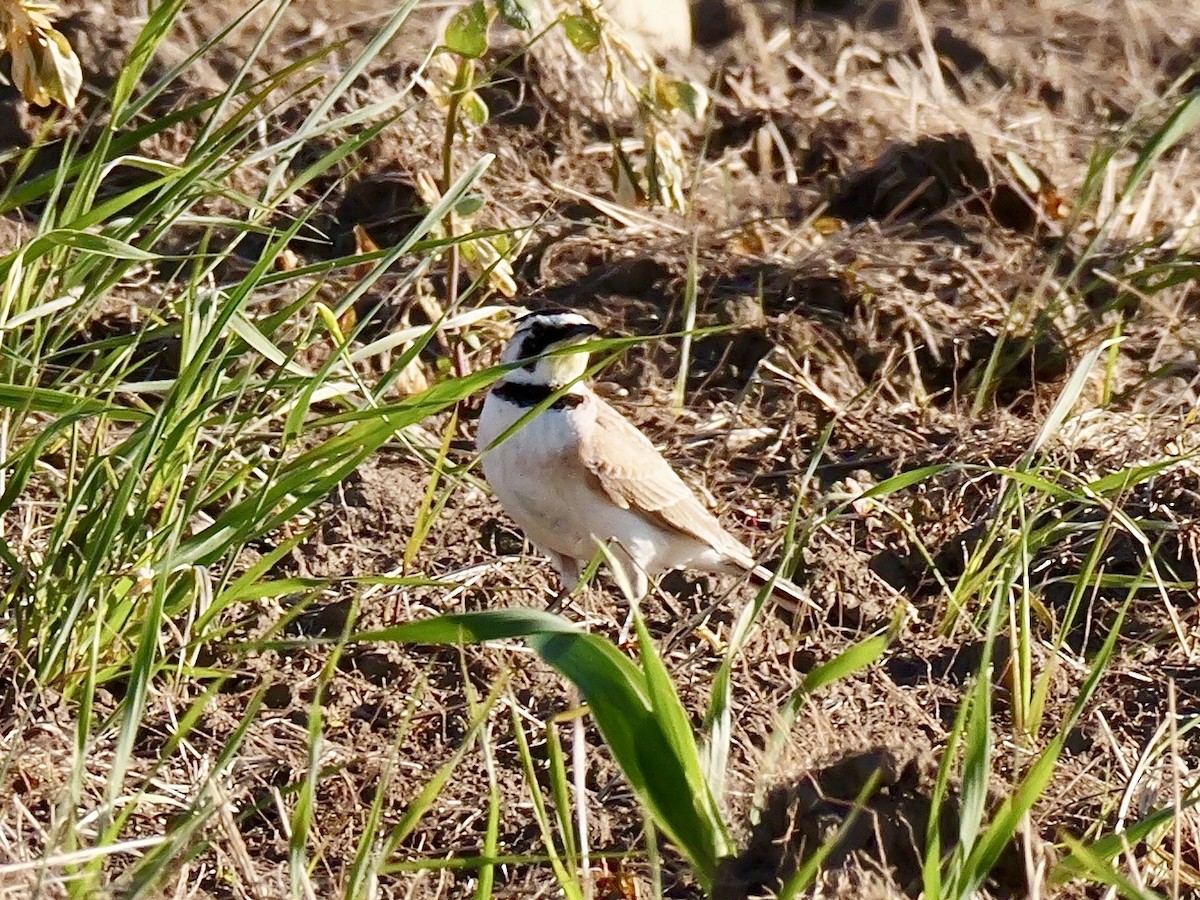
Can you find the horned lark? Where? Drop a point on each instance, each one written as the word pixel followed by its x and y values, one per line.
pixel 579 472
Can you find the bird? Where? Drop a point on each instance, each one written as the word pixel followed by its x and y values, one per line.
pixel 577 473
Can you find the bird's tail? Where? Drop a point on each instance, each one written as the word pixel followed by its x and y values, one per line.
pixel 790 596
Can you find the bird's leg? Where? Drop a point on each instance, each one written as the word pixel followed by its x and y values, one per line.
pixel 626 627
pixel 568 575
pixel 560 599
pixel 636 587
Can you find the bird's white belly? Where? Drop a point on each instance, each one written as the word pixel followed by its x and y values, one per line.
pixel 537 477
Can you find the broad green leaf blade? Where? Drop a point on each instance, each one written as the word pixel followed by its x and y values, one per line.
pixel 621 703
pixel 617 696
pixel 474 628
pixel 668 710
pixel 466 33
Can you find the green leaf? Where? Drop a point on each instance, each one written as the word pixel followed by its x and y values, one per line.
pixel 1083 861
pixel 496 625
pixel 99 244
pixel 1101 870
pixel 1179 124
pixel 516 13
pixel 583 32
pixel 669 711
pixel 683 95
pixel 469 205
pixel 474 108
pixel 904 480
pixel 141 54
pixel 467 34
pixel 49 400
pixel 853 659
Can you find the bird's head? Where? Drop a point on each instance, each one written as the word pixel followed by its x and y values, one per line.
pixel 537 336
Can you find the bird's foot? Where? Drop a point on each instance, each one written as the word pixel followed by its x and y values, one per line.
pixel 556 605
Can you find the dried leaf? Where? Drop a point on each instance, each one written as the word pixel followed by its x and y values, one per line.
pixel 411 380
pixel 1039 186
pixel 1029 177
pixel 287 260
pixel 665 170
pixel 749 240
pixel 363 244
pixel 619 885
pixel 625 181
pixel 1054 204
pixel 44 67
pixel 683 95
pixel 482 256
pixel 826 225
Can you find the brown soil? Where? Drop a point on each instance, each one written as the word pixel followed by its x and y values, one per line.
pixel 877 325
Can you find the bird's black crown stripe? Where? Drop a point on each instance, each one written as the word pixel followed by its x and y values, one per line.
pixel 542 334
pixel 528 395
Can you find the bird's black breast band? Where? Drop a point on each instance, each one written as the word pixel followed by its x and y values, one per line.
pixel 528 395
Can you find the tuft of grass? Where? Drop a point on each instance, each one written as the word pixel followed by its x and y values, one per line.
pixel 130 577
pixel 636 710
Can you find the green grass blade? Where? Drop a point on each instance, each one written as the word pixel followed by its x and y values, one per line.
pixel 1182 121
pixel 622 703
pixel 1099 869
pixel 566 877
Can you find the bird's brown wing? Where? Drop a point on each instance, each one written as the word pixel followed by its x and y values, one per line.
pixel 627 468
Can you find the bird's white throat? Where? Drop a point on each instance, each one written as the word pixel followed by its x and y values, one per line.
pixel 555 370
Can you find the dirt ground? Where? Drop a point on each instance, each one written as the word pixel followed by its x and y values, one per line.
pixel 858 221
